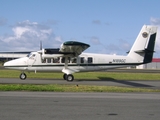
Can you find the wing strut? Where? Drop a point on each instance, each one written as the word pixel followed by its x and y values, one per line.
pixel 66 63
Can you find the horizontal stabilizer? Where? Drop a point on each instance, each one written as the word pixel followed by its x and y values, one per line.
pixel 144 51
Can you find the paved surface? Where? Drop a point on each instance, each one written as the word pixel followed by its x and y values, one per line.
pixel 122 83
pixel 79 106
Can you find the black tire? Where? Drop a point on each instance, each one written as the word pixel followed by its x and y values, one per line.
pixel 65 76
pixel 70 78
pixel 23 76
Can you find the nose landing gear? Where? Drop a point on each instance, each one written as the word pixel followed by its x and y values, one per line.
pixel 23 76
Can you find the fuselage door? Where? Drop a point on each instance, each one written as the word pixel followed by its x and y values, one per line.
pixel 82 63
pixel 31 59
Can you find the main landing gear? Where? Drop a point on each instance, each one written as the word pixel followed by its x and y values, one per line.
pixel 68 77
pixel 23 76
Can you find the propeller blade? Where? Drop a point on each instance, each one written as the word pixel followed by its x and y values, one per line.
pixel 40 45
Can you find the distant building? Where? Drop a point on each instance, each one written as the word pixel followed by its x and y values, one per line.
pixel 155 64
pixel 5 56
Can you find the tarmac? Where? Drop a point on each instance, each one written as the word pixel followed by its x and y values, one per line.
pixel 79 106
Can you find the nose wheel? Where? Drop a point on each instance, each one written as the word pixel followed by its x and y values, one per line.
pixel 23 76
pixel 68 77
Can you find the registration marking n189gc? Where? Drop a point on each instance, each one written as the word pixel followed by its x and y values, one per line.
pixel 119 60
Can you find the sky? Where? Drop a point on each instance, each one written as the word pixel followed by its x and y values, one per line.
pixel 109 26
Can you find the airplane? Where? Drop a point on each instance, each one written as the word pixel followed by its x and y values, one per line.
pixel 69 58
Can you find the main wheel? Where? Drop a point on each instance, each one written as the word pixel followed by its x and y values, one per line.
pixel 70 78
pixel 23 76
pixel 65 76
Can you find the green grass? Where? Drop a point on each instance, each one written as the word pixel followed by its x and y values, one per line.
pixel 71 88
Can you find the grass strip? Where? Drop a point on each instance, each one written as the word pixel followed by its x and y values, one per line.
pixel 72 88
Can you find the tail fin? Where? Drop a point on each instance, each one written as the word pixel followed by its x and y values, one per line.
pixel 143 48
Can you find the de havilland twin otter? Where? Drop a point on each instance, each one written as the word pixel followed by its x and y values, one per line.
pixel 69 58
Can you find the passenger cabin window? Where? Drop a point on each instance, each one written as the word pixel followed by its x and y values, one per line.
pixel 56 60
pixel 59 60
pixel 44 60
pixel 63 59
pixel 90 60
pixel 51 60
pixel 82 59
pixel 48 60
pixel 73 60
pixel 69 59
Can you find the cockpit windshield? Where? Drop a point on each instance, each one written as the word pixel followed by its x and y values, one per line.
pixel 31 55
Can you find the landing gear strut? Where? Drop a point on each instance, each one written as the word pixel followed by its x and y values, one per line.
pixel 68 77
pixel 23 76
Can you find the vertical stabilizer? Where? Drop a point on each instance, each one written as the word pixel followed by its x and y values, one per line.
pixel 143 48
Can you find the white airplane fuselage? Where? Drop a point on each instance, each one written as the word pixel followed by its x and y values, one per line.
pixel 82 63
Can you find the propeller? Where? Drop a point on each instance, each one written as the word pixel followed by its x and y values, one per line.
pixel 40 45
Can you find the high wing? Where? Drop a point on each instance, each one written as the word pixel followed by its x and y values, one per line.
pixel 67 49
pixel 73 47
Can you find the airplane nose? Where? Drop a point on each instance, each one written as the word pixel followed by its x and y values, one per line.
pixel 15 63
pixel 6 64
pixel 9 63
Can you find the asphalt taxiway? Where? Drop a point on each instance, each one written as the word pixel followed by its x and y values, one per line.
pixel 122 83
pixel 79 106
